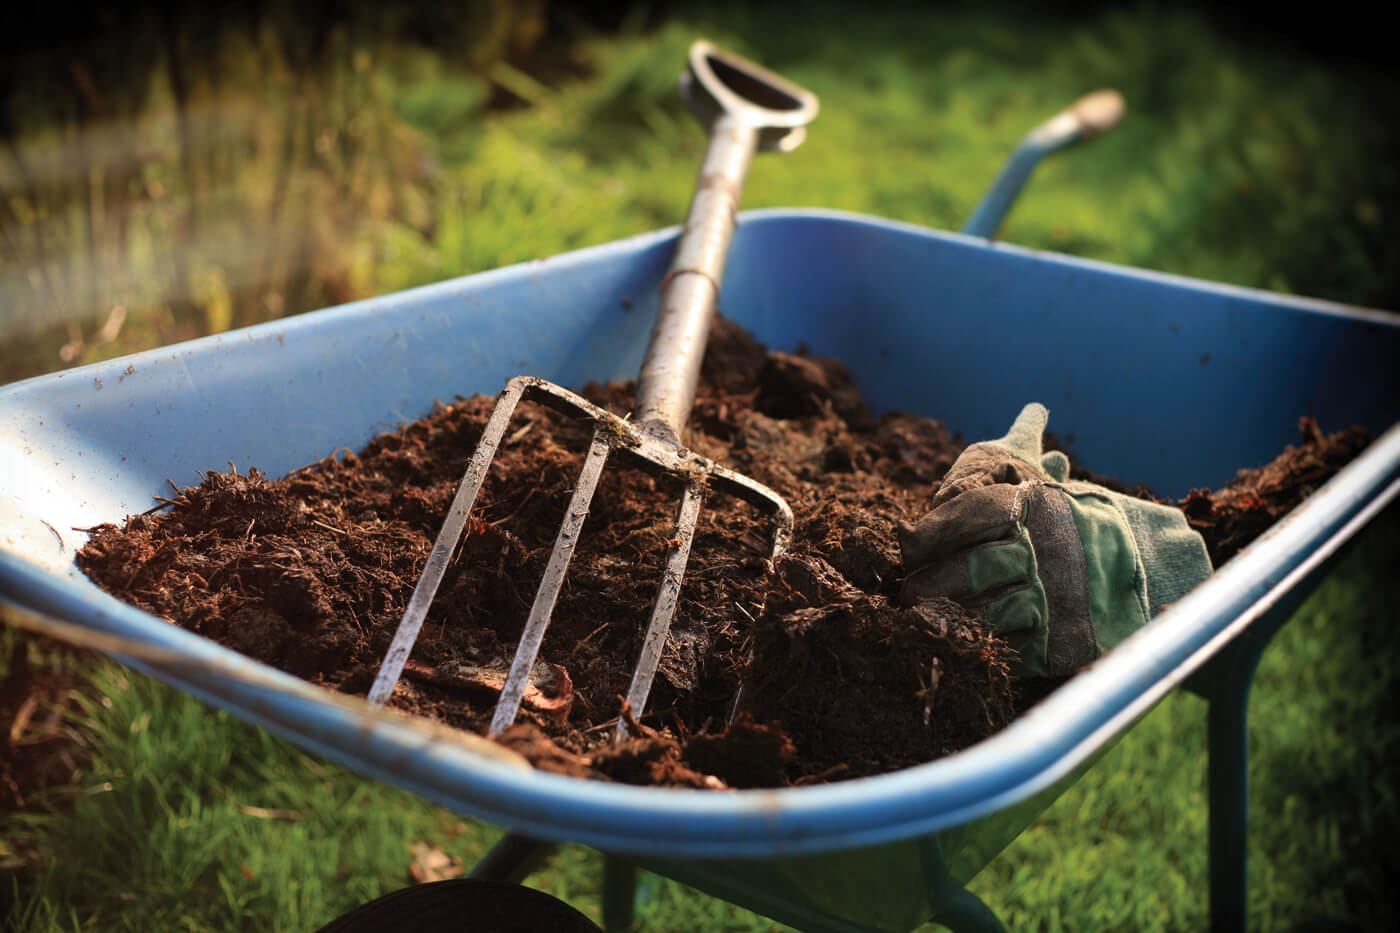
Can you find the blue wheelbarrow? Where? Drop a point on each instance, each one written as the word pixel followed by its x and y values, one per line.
pixel 920 316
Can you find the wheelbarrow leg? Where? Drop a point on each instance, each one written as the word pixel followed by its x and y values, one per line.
pixel 619 893
pixel 955 907
pixel 513 859
pixel 1226 684
pixel 965 912
pixel 1228 779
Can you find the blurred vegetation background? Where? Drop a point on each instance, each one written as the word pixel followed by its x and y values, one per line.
pixel 168 171
pixel 178 170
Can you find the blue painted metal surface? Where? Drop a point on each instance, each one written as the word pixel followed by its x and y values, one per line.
pixel 1159 379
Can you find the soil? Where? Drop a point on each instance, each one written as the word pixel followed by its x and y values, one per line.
pixel 311 573
pixel 1234 516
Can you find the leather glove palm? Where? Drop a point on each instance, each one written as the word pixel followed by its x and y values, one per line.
pixel 1063 570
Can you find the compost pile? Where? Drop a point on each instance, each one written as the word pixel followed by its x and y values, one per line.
pixel 311 573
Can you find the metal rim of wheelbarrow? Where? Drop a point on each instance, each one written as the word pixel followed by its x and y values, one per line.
pixel 1045 745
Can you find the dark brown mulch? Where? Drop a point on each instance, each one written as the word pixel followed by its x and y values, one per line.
pixel 1256 498
pixel 312 572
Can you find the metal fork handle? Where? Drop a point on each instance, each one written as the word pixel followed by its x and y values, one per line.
pixel 746 107
pixel 671 367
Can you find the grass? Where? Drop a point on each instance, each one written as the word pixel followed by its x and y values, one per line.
pixel 1235 164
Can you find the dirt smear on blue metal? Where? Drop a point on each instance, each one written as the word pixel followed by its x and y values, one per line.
pixel 776 673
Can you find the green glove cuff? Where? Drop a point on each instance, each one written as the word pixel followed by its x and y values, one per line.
pixel 1128 538
pixel 1173 554
pixel 1116 577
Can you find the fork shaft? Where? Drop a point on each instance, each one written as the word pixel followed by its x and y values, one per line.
pixel 671 368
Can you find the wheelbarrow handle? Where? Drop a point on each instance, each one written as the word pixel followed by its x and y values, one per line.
pixel 1087 117
pixel 747 109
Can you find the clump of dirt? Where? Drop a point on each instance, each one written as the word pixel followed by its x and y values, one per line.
pixel 311 573
pixel 1256 498
pixel 832 658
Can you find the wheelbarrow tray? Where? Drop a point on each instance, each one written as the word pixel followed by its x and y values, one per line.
pixel 1162 380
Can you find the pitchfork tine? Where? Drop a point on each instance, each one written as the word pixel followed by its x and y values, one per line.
pixel 550 584
pixel 448 536
pixel 664 609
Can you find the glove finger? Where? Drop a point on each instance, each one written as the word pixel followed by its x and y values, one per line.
pixel 975 577
pixel 983 465
pixel 1056 464
pixel 1022 619
pixel 941 578
pixel 1025 437
pixel 1016 611
pixel 977 516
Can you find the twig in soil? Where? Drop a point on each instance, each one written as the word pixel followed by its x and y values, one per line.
pixel 178 491
pixel 821 777
pixel 637 728
pixel 927 690
pixel 606 726
pixel 21 720
pixel 528 496
pixel 515 438
pixel 719 570
pixel 320 524
pixel 679 725
pixel 585 639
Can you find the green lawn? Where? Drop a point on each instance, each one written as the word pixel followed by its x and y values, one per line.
pixel 1240 164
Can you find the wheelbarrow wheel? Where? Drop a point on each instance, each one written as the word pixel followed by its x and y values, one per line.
pixel 463 904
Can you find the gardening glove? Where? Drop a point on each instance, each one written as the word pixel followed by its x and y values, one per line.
pixel 1063 570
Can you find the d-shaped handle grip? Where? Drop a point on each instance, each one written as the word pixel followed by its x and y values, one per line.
pixel 746 108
